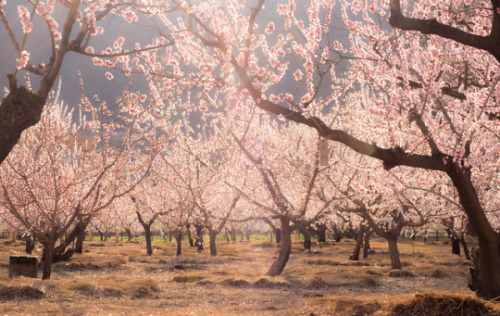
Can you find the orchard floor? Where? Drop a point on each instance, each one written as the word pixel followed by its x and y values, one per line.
pixel 118 278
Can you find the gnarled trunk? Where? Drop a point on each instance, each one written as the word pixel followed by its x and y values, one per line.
pixel 48 254
pixel 21 109
pixel 359 242
pixel 392 242
pixel 286 248
pixel 488 285
pixel 77 232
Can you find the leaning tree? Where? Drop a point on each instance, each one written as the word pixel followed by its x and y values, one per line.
pixel 434 76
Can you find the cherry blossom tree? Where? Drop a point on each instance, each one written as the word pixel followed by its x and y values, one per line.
pixel 72 27
pixel 284 181
pixel 69 178
pixel 432 100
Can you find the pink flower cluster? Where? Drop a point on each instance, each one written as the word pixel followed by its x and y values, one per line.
pixel 25 17
pixel 22 61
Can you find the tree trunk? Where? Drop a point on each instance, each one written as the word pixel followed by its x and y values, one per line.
pixel 455 245
pixel 21 109
pixel 213 236
pixel 321 232
pixel 48 254
pixel 79 242
pixel 129 234
pixel 359 242
pixel 278 235
pixel 232 233
pixel 190 238
pixel 147 233
pixel 178 239
pixel 199 237
pixel 286 248
pixel 464 246
pixel 30 244
pixel 307 239
pixel 79 228
pixel 489 240
pixel 366 243
pixel 392 241
pixel 337 234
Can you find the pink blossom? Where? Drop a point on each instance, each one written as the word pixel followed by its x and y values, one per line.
pixel 298 74
pixel 57 36
pixel 98 61
pixel 22 61
pixel 434 52
pixel 269 28
pixel 119 42
pixel 129 16
pixel 25 18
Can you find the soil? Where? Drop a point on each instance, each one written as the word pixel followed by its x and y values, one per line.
pixel 119 278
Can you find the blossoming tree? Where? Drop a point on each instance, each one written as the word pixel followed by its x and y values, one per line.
pixel 441 88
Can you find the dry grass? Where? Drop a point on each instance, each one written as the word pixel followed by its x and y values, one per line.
pixel 114 279
pixel 435 304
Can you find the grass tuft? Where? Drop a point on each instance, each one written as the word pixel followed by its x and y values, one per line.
pixel 8 293
pixel 434 304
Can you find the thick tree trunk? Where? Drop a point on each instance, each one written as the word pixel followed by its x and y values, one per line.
pixel 79 229
pixel 392 242
pixel 286 248
pixel 48 254
pixel 489 240
pixel 213 236
pixel 21 109
pixel 147 233
pixel 359 242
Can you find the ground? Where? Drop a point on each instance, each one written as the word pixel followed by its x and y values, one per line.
pixel 112 278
